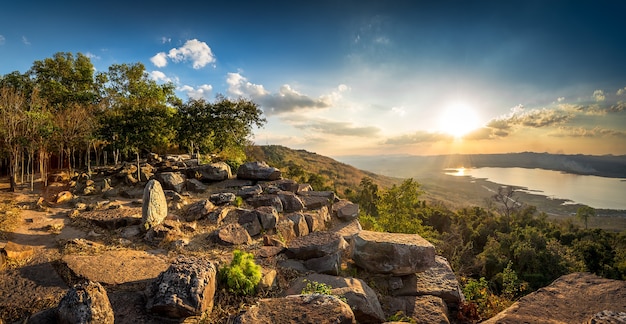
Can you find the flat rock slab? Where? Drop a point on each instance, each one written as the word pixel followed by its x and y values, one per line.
pixel 307 309
pixel 29 289
pixel 573 298
pixel 315 245
pixel 120 267
pixel 392 253
pixel 113 218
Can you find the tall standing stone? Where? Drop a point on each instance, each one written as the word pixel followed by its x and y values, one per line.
pixel 154 208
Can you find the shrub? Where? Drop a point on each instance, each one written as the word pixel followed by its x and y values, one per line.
pixel 242 275
pixel 314 287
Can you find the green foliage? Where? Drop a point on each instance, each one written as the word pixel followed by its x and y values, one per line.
pixel 584 213
pixel 242 275
pixel 487 304
pixel 401 317
pixel 314 287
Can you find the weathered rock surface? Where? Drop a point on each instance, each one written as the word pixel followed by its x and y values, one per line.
pixel 85 303
pixel 250 221
pixel 258 171
pixel 266 200
pixel 422 309
pixel 116 267
pixel 185 289
pixel 154 208
pixel 305 309
pixel 315 245
pixel 285 230
pixel 231 234
pixel 171 181
pixel 573 298
pixel 195 185
pixel 249 191
pixel 438 280
pixel 113 218
pixel 291 202
pixel 300 226
pixel 329 264
pixel 222 198
pixel 607 317
pixel 361 298
pixel 268 216
pixel 392 253
pixel 210 172
pixel 345 210
pixel 199 210
pixel 316 220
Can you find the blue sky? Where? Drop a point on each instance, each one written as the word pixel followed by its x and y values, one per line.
pixel 366 77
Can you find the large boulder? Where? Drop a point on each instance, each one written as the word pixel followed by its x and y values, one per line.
pixel 300 225
pixel 310 309
pixel 154 208
pixel 421 309
pixel 268 216
pixel 199 210
pixel 392 253
pixel 85 303
pixel 438 280
pixel 231 234
pixel 315 245
pixel 185 289
pixel 250 221
pixel 210 172
pixel 222 198
pixel 291 202
pixel 258 171
pixel 249 191
pixel 171 181
pixel 316 219
pixel 195 185
pixel 345 210
pixel 266 200
pixel 572 298
pixel 361 298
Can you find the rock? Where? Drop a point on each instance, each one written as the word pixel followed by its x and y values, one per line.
pixel 269 251
pixel 154 208
pixel 315 245
pixel 132 193
pixel 249 191
pixel 308 309
pixel 272 240
pixel 361 298
pixel 330 195
pixel 199 210
pixel 3 258
pixel 231 234
pixel 392 253
pixel 266 200
pixel 284 185
pixel 218 214
pixel 116 267
pixel 18 252
pixel 112 218
pixel 258 171
pixel 222 198
pixel 572 298
pixel 85 303
pixel 168 231
pixel 294 265
pixel 422 309
pixel 607 317
pixel 299 224
pixel 268 216
pixel 130 232
pixel 285 230
pixel 268 280
pixel 194 185
pixel 63 197
pixel 314 202
pixel 316 220
pixel 210 172
pixel 345 210
pixel 347 229
pixel 303 187
pixel 250 221
pixel 186 288
pixel 438 280
pixel 171 181
pixel 329 264
pixel 291 202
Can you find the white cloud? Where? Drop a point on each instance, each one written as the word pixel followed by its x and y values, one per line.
pixel 400 111
pixel 165 40
pixel 25 40
pixel 159 76
pixel 159 60
pixel 199 53
pixel 598 95
pixel 202 92
pixel 238 85
pixel 560 99
pixel 92 56
pixel 619 92
pixel 2 40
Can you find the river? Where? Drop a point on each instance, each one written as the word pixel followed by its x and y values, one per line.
pixel 594 191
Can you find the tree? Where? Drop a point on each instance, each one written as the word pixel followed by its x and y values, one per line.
pixel 12 127
pixel 367 197
pixel 506 196
pixel 584 213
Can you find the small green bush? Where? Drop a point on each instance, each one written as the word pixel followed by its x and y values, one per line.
pixel 314 287
pixel 243 275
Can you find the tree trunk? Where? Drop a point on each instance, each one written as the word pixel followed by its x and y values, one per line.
pixel 89 159
pixel 105 157
pixel 138 168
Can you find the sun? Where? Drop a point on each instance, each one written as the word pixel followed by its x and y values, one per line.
pixel 458 119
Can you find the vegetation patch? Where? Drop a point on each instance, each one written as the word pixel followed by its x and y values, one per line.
pixel 9 218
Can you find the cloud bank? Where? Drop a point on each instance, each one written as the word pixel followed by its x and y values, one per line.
pixel 199 53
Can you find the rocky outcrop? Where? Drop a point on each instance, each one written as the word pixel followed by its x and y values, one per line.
pixel 85 303
pixel 198 210
pixel 154 208
pixel 345 210
pixel 222 198
pixel 573 298
pixel 310 309
pixel 438 280
pixel 320 251
pixel 185 289
pixel 171 181
pixel 396 254
pixel 210 172
pixel 361 298
pixel 258 171
pixel 231 234
pixel 422 309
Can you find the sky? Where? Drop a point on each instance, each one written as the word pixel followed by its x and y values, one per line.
pixel 365 77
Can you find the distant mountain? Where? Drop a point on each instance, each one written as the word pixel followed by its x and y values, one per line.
pixel 411 165
pixel 337 176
